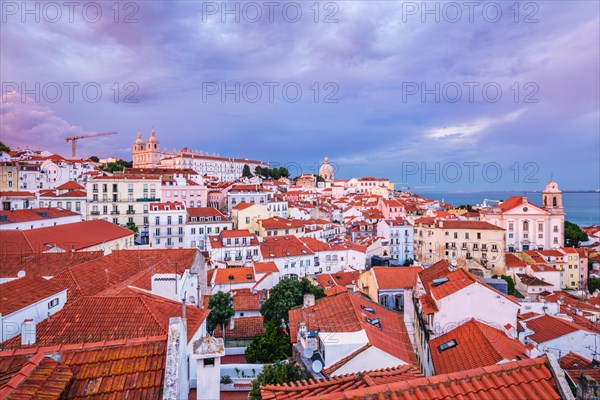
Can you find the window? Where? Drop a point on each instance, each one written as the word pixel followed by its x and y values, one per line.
pixel 53 303
pixel 525 225
pixel 209 362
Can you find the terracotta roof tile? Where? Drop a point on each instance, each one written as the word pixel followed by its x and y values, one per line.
pixel 345 313
pixel 396 277
pixel 336 384
pixel 44 264
pixel 35 214
pixel 264 267
pixel 243 328
pixel 20 293
pixel 95 319
pixel 525 379
pixel 39 378
pixel 75 236
pixel 547 327
pixel 234 275
pixel 477 345
pixel 245 300
pixel 283 246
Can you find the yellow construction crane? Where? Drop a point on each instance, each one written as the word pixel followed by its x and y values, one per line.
pixel 74 139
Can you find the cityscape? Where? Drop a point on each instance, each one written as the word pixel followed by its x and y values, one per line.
pixel 294 200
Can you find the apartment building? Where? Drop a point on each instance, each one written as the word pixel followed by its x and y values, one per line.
pixel 203 222
pixel 167 225
pixel 123 200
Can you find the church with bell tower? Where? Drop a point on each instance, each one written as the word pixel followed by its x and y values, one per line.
pixel 146 155
pixel 528 226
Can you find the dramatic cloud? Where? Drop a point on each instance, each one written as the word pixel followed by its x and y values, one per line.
pixel 377 85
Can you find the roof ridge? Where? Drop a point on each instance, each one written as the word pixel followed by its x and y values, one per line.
pixel 142 300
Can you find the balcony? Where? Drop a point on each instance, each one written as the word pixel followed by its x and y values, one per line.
pixel 114 212
pixel 227 258
pixel 95 213
pixel 148 199
pixel 238 258
pixel 130 211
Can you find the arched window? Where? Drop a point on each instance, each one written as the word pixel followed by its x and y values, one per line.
pixel 525 225
pixel 554 201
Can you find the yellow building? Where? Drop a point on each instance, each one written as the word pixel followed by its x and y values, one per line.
pixel 9 176
pixel 440 239
pixel 243 215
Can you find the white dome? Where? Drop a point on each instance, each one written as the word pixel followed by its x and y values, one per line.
pixel 326 170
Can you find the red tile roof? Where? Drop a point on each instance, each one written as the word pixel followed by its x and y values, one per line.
pixel 434 271
pixel 20 293
pixel 281 223
pixel 336 384
pixel 44 264
pixel 122 266
pixel 264 267
pixel 71 185
pixel 124 369
pixel 574 361
pixel 513 261
pixel 548 327
pixel 245 300
pixel 524 379
pixel 344 313
pixel 243 328
pixel 529 280
pixel 206 212
pixel 242 206
pixel 477 345
pixel 16 194
pixel 234 275
pixel 457 280
pixel 38 378
pixel 283 246
pixel 396 277
pixel 233 233
pixel 337 279
pixel 76 236
pixel 35 214
pixel 458 224
pixel 95 319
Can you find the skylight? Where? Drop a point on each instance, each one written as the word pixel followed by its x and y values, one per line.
pixel 439 281
pixel 448 345
pixel 368 309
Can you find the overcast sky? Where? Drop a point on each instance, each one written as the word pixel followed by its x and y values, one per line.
pixel 387 88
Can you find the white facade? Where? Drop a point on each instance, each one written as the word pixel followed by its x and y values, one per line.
pixel 401 239
pixel 167 225
pixel 11 324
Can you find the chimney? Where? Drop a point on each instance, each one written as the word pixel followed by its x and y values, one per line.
pixel 28 332
pixel 231 324
pixel 441 223
pixel 309 300
pixel 531 351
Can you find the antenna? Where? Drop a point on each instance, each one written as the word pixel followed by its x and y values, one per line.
pixel 308 352
pixel 317 366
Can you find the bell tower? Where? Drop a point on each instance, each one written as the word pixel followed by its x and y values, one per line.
pixel 552 198
pixel 138 149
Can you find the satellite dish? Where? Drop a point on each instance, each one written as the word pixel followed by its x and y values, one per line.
pixel 317 366
pixel 308 352
pixel 21 274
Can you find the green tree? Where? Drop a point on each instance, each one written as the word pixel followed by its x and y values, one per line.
pixel 408 262
pixel 133 227
pixel 94 159
pixel 271 173
pixel 319 178
pixel 117 166
pixel 4 148
pixel 274 374
pixel 511 285
pixel 246 171
pixel 574 235
pixel 286 294
pixel 270 346
pixel 593 284
pixel 221 311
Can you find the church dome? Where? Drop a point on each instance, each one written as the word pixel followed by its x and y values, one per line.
pixel 326 170
pixel 139 139
pixel 152 138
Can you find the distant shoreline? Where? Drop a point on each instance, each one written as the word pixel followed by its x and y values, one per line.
pixel 597 191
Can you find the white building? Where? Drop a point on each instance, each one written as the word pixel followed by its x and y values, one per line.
pixel 167 225
pixel 234 247
pixel 292 257
pixel 150 155
pixel 123 199
pixel 203 222
pixel 28 298
pixel 528 226
pixel 36 218
pixel 400 234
